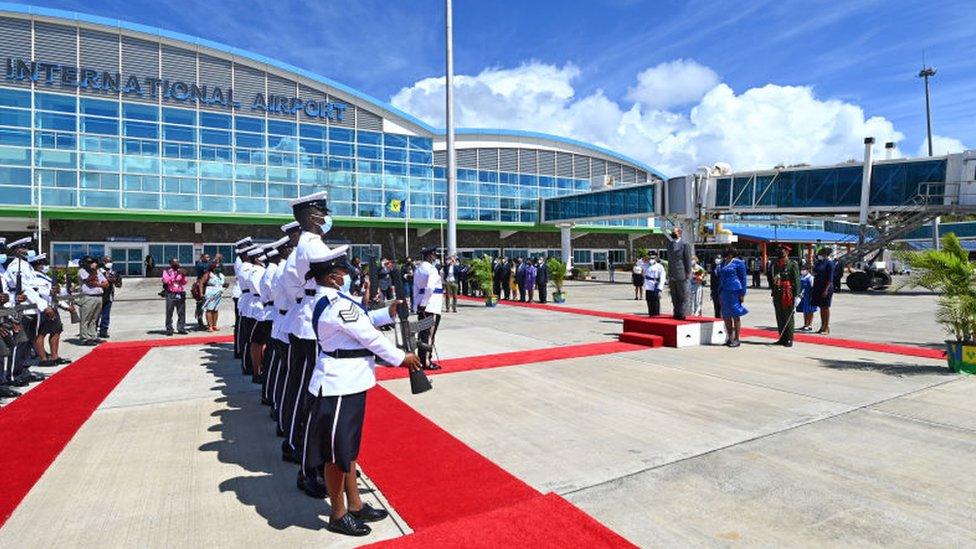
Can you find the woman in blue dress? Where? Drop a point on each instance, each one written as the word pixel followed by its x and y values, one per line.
pixel 824 272
pixel 732 292
pixel 806 305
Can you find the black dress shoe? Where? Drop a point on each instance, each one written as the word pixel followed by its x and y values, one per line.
pixel 787 343
pixel 103 335
pixel 169 332
pixel 287 454
pixel 368 514
pixel 63 361
pixel 47 362
pixel 182 332
pixel 312 487
pixel 265 401
pixel 7 392
pixel 433 366
pixel 348 525
pixel 279 431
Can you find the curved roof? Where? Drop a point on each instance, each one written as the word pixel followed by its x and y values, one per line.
pixel 279 65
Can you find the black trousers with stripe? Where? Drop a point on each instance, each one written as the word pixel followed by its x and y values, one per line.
pixel 426 337
pixel 247 326
pixel 301 362
pixel 237 330
pixel 272 362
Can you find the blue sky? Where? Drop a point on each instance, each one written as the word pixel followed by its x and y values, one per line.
pixel 864 53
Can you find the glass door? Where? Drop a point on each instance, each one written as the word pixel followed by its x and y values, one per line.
pixel 599 261
pixel 128 261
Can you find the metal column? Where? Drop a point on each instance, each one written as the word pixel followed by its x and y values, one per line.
pixel 451 168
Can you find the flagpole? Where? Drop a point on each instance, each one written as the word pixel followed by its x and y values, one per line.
pixel 406 232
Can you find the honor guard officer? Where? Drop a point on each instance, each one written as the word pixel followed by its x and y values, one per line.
pixel 430 298
pixel 240 248
pixel 19 280
pixel 49 320
pixel 250 306
pixel 653 274
pixel 279 327
pixel 259 309
pixel 267 290
pixel 312 214
pixel 348 344
pixel 784 284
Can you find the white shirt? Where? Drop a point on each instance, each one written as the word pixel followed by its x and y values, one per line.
pixel 85 288
pixel 43 285
pixel 236 290
pixel 268 311
pixel 281 303
pixel 345 324
pixel 299 319
pixel 247 294
pixel 653 276
pixel 254 283
pixel 429 288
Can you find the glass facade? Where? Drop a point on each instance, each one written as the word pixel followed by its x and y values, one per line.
pixel 892 184
pixel 87 152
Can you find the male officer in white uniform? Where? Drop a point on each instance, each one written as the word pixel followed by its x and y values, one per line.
pixel 653 273
pixel 430 298
pixel 268 291
pixel 240 248
pixel 280 328
pixel 348 346
pixel 262 322
pixel 312 214
pixel 246 307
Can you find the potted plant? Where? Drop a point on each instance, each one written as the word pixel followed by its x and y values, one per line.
pixel 482 273
pixel 557 274
pixel 950 273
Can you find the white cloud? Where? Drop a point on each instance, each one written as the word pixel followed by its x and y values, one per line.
pixel 941 145
pixel 672 84
pixel 758 128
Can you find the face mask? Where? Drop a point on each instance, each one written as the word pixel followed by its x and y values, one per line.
pixel 803 272
pixel 3 258
pixel 718 260
pixel 108 266
pixel 346 283
pixel 31 254
pixel 45 268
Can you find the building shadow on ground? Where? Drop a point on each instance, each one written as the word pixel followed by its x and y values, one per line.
pixel 247 440
pixel 898 369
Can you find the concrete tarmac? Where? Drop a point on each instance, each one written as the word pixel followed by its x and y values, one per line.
pixel 759 445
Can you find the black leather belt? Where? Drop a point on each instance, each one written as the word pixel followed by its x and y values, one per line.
pixel 350 353
pixel 245 291
pixel 282 311
pixel 309 293
pixel 266 303
pixel 299 299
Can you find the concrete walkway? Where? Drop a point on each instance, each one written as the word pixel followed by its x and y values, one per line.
pixel 760 445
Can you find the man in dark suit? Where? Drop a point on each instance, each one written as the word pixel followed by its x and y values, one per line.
pixel 679 269
pixel 542 279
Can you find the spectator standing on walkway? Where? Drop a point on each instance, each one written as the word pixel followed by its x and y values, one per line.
pixel 713 286
pixel 806 305
pixel 697 286
pixel 212 285
pixel 93 285
pixel 108 296
pixel 542 279
pixel 200 268
pixel 520 278
pixel 150 264
pixel 530 275
pixel 406 272
pixel 755 268
pixel 611 267
pixel 824 279
pixel 637 276
pixel 450 284
pixel 174 280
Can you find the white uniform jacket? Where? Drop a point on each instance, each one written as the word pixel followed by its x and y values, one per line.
pixel 346 324
pixel 301 291
pixel 653 276
pixel 429 288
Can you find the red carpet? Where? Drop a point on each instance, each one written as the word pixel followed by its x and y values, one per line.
pixel 514 358
pixel 907 350
pixel 427 475
pixel 37 426
pixel 169 342
pixel 544 521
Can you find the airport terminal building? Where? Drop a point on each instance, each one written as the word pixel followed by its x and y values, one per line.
pixel 136 141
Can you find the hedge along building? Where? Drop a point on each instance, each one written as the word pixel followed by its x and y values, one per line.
pixel 136 141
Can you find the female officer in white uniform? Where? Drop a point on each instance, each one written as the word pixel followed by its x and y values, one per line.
pixel 348 344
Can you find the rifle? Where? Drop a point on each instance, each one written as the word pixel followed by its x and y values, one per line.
pixel 10 319
pixel 70 299
pixel 408 333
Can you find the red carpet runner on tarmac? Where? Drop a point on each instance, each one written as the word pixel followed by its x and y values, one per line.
pixel 453 496
pixel 38 425
pixel 906 350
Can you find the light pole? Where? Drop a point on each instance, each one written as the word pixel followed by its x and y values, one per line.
pixel 924 74
pixel 451 168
